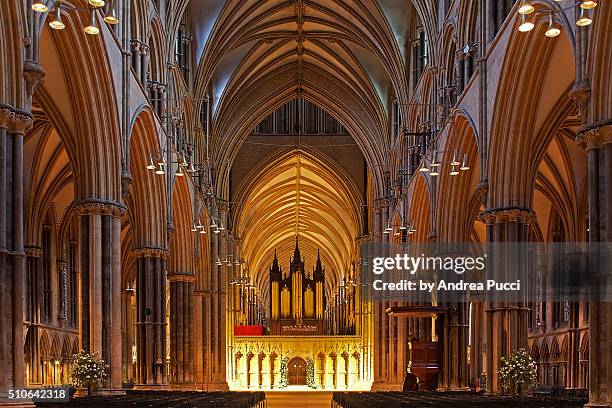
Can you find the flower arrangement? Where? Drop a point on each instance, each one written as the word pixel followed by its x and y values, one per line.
pixel 310 373
pixel 518 372
pixel 284 373
pixel 88 370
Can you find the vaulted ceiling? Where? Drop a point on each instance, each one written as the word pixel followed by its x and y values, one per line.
pixel 348 57
pixel 298 195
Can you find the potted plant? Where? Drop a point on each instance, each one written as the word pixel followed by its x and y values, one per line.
pixel 310 373
pixel 518 372
pixel 88 370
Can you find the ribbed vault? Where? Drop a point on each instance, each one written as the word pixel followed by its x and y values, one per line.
pixel 298 194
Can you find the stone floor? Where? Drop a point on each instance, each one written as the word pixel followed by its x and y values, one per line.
pixel 307 399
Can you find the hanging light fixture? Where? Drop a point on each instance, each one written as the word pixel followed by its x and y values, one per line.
pixel 96 3
pixel 434 172
pixel 388 229
pixel 465 166
pixel 423 168
pixel 588 4
pixel 111 17
pixel 194 228
pixel 454 170
pixel 203 230
pixel 454 162
pixel 57 23
pixel 92 28
pixel 160 170
pixel 39 6
pixel 151 165
pixel 526 23
pixel 584 19
pixel 434 156
pixel 526 7
pixel 191 168
pixel 553 29
pixel 218 262
pixel 221 227
pixel 179 171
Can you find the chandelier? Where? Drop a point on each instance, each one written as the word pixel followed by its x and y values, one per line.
pixel 527 11
pixel 106 7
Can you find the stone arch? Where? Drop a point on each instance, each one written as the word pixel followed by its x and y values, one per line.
pixel 181 257
pixel 520 112
pixel 420 209
pixel 84 75
pixel 146 198
pixel 458 197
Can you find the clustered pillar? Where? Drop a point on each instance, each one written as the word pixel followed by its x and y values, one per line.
pixel 598 143
pixel 13 124
pixel 150 317
pixel 181 327
pixel 506 322
pixel 100 224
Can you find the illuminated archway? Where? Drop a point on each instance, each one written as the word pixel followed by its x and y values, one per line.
pixel 298 195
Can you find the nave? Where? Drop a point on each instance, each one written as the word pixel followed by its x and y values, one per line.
pixel 188 189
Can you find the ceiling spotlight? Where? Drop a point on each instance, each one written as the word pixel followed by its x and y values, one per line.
pixel 553 29
pixel 111 17
pixel 92 28
pixel 465 165
pixel 454 170
pixel 39 6
pixel 526 7
pixel 588 4
pixel 584 19
pixel 179 172
pixel 526 23
pixel 96 3
pixel 57 23
pixel 151 165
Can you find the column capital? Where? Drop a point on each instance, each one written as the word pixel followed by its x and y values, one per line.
pixel 103 207
pixel 34 252
pixel 507 214
pixel 7 114
pixel 595 137
pixel 22 121
pixel 180 276
pixel 150 252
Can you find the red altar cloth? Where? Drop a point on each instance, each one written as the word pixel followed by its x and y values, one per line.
pixel 254 330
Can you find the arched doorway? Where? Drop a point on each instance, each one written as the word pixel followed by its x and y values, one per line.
pixel 296 371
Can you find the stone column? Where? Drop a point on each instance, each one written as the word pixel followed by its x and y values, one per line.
pixel 150 317
pixel 506 322
pixel 181 326
pixel 100 224
pixel 13 124
pixel 598 144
